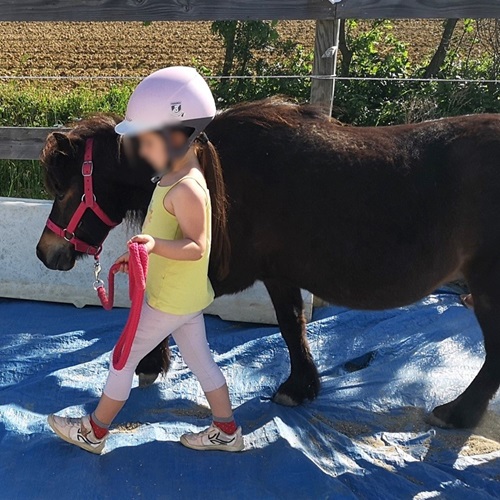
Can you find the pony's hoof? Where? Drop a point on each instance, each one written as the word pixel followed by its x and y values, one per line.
pixel 147 379
pixel 435 421
pixel 284 399
pixel 297 389
pixel 457 414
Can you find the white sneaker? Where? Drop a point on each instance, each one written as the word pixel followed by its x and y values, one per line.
pixel 213 439
pixel 77 431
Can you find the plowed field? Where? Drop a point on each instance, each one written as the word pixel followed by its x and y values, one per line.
pixel 133 49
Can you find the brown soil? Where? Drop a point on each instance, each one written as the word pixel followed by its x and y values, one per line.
pixel 484 439
pixel 133 49
pixel 126 427
pixel 198 411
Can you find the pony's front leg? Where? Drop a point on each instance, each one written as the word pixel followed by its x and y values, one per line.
pixel 154 363
pixel 303 382
pixel 468 408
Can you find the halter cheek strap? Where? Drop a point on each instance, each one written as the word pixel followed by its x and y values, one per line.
pixel 88 203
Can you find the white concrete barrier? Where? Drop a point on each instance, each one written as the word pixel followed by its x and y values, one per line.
pixel 23 276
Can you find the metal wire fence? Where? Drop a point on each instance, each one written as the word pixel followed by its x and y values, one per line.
pixel 258 77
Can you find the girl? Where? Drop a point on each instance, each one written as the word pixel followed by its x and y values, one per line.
pixel 167 113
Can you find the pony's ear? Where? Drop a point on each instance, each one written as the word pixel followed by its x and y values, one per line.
pixel 64 144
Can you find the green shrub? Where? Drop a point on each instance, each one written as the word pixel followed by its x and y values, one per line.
pixel 258 50
pixel 254 48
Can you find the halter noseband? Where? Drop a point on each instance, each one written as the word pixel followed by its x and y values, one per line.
pixel 88 202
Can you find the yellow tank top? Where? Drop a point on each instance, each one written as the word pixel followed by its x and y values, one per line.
pixel 176 286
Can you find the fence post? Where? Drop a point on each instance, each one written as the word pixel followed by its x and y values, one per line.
pixel 325 63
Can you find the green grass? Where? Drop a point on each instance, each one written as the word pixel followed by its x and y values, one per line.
pixel 46 105
pixel 21 179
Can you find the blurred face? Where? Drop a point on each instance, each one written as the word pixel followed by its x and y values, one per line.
pixel 153 148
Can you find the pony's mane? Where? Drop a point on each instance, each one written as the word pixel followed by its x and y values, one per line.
pixel 104 123
pixel 266 113
pixel 274 111
pixel 94 125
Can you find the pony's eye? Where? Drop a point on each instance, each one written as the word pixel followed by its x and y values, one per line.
pixel 60 197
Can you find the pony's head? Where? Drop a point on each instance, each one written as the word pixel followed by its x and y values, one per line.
pixel 63 160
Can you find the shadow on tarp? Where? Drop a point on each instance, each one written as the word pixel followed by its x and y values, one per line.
pixel 364 437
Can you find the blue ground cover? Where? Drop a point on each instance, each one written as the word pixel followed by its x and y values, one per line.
pixel 364 437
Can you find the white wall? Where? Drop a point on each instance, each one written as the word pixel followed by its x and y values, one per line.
pixel 23 276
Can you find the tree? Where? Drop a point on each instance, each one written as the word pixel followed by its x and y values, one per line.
pixel 240 39
pixel 345 51
pixel 439 57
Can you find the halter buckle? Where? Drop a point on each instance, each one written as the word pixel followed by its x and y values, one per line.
pixel 87 168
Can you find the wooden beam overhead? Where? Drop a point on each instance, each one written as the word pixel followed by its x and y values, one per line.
pixel 418 9
pixel 209 10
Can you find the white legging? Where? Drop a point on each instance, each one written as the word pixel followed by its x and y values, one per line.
pixel 155 326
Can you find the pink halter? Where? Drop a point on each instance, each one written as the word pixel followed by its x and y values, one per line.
pixel 88 202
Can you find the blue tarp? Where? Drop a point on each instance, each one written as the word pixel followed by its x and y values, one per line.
pixel 364 437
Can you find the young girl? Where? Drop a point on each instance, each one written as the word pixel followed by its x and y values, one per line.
pixel 167 113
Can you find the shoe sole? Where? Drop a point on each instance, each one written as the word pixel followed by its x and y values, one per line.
pixel 221 447
pixel 97 450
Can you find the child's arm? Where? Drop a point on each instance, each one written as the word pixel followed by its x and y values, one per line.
pixel 188 203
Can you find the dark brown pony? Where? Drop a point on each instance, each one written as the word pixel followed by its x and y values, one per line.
pixel 369 218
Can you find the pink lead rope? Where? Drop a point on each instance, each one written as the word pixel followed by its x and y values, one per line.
pixel 137 271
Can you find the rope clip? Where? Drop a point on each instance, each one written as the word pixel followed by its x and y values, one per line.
pixel 98 283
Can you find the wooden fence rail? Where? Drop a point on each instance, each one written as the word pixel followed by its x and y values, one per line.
pixel 22 143
pixel 210 10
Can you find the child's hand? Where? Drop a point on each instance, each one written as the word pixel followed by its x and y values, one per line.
pixel 146 239
pixel 123 261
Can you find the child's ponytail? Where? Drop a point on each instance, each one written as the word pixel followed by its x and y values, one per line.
pixel 210 164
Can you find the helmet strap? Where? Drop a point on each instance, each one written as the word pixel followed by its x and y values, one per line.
pixel 157 178
pixel 202 138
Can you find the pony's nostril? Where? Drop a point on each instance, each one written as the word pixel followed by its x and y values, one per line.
pixel 56 260
pixel 63 261
pixel 62 264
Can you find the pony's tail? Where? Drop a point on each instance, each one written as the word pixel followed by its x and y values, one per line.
pixel 211 166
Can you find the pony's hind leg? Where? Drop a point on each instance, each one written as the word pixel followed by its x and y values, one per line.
pixel 303 382
pixel 154 363
pixel 468 408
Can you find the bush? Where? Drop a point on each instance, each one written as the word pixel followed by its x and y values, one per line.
pixel 377 52
pixel 255 49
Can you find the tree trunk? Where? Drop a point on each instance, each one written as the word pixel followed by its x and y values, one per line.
pixel 439 57
pixel 229 38
pixel 347 54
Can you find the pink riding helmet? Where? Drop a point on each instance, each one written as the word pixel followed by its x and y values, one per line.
pixel 175 96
